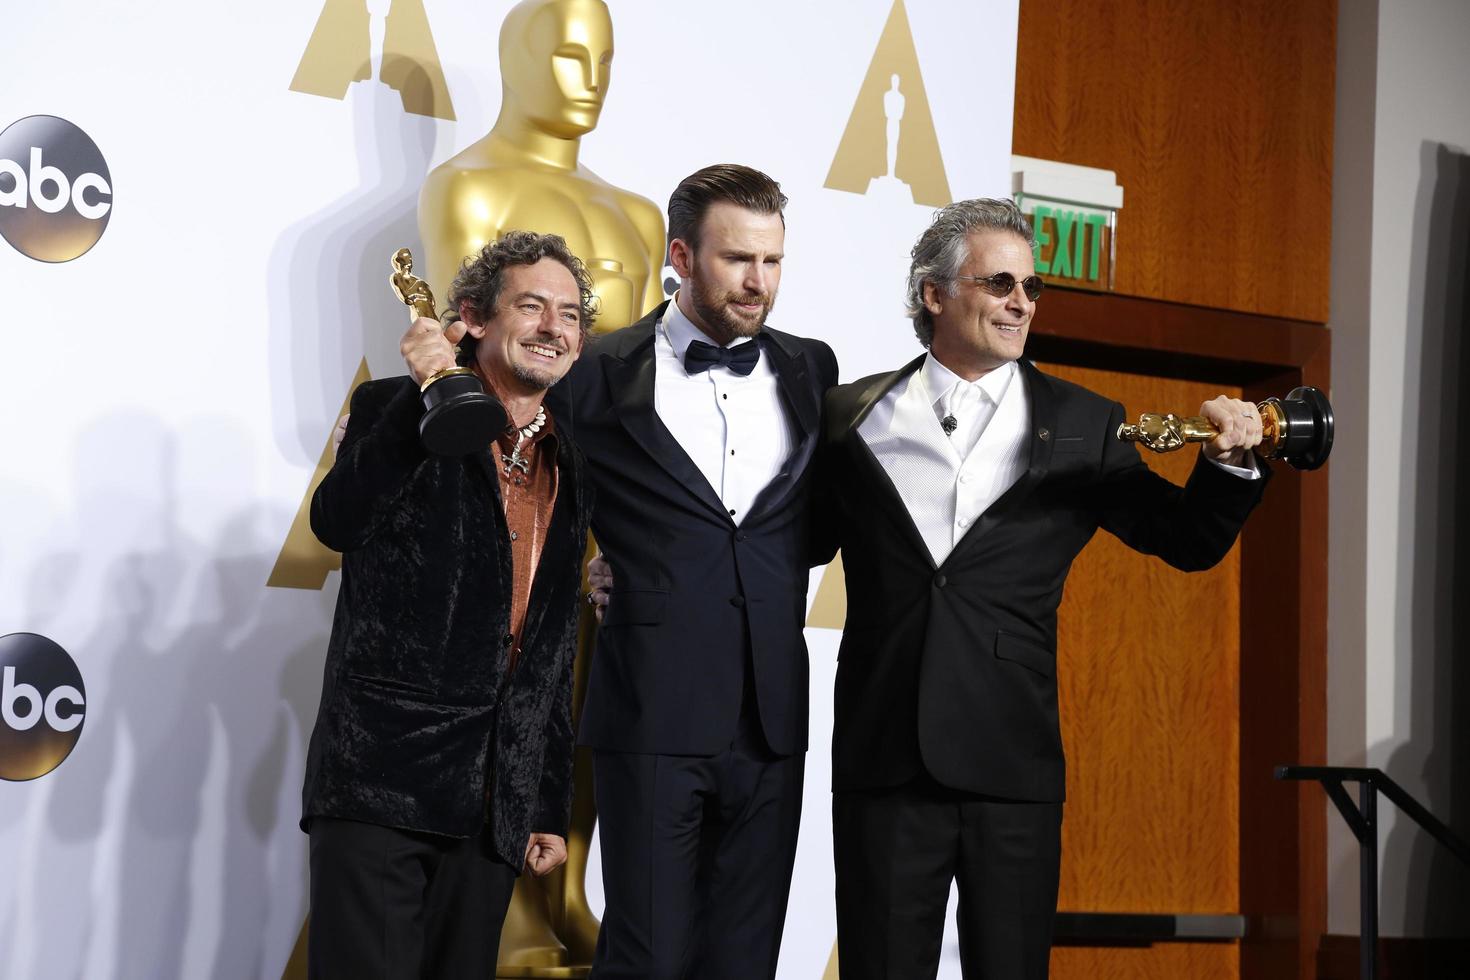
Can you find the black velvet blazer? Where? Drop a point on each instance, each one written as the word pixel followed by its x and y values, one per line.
pixel 417 713
pixel 951 669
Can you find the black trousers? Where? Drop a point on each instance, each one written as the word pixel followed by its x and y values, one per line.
pixel 394 904
pixel 696 860
pixel 896 853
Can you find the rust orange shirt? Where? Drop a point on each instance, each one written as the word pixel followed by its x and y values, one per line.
pixel 528 496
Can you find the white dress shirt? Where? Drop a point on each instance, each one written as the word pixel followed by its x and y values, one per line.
pixel 947 481
pixel 734 428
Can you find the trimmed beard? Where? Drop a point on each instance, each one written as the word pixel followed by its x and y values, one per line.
pixel 711 306
pixel 529 376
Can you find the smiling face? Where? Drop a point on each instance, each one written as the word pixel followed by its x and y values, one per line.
pixel 975 332
pixel 729 281
pixel 529 341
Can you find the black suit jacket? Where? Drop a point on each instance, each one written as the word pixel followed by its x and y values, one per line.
pixel 418 717
pixel 696 594
pixel 951 670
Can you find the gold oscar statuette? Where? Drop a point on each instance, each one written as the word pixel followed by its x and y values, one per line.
pixel 556 60
pixel 1296 429
pixel 459 417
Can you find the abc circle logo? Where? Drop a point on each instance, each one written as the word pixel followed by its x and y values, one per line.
pixel 42 706
pixel 55 189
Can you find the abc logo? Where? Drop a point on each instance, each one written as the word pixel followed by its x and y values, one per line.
pixel 55 189
pixel 42 705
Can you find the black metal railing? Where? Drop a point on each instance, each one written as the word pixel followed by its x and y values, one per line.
pixel 1362 820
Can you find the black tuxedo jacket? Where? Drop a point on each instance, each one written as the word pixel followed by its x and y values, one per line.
pixel 696 594
pixel 951 670
pixel 418 718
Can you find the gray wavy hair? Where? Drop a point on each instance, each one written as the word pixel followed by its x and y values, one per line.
pixel 945 246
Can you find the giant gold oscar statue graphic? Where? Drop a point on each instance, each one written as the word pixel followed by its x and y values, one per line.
pixel 555 62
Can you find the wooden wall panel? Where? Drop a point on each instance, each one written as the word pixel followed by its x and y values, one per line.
pixel 1282 883
pixel 1148 668
pixel 1181 961
pixel 1217 116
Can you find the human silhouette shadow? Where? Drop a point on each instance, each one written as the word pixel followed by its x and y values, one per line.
pixel 177 822
pixel 333 265
pixel 1434 885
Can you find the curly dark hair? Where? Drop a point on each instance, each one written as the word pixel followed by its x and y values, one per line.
pixel 482 275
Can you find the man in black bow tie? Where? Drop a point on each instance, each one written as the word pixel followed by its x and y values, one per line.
pixel 699 422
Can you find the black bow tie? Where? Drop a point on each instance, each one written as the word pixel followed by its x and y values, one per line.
pixel 741 358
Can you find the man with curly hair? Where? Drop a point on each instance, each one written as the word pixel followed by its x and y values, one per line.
pixel 441 761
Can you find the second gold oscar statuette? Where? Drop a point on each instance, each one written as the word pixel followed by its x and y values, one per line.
pixel 459 417
pixel 1297 429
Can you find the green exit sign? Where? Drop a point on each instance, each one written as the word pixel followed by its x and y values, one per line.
pixel 1073 247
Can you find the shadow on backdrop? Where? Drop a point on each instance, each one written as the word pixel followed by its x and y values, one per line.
pixel 336 307
pixel 1436 535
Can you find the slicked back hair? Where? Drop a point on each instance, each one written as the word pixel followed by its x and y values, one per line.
pixel 482 276
pixel 944 248
pixel 740 185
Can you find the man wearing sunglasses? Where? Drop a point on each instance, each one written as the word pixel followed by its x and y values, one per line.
pixel 960 488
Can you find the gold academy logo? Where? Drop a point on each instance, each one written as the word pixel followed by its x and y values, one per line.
pixel 42 706
pixel 360 40
pixel 55 189
pixel 304 561
pixel 889 147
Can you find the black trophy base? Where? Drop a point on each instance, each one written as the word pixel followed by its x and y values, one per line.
pixel 459 417
pixel 1307 426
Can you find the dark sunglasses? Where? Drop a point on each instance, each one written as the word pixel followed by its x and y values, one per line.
pixel 1002 283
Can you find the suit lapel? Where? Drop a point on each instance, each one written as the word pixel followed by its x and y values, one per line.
pixel 890 500
pixel 788 360
pixel 1042 427
pixel 802 400
pixel 630 382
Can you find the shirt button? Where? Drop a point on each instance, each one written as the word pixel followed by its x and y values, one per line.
pixel 963 522
pixel 964 478
pixel 737 601
pixel 514 536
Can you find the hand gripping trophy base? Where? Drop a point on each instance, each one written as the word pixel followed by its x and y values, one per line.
pixel 1296 429
pixel 459 417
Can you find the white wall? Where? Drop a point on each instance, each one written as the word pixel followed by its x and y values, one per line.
pixel 1400 533
pixel 167 395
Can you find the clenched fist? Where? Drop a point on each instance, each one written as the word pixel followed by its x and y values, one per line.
pixel 428 348
pixel 1240 429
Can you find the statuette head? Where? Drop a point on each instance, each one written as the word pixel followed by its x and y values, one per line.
pixel 555 60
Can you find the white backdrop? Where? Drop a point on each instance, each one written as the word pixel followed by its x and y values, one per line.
pixel 167 395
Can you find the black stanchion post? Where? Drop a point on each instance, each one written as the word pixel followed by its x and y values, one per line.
pixel 1368 880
